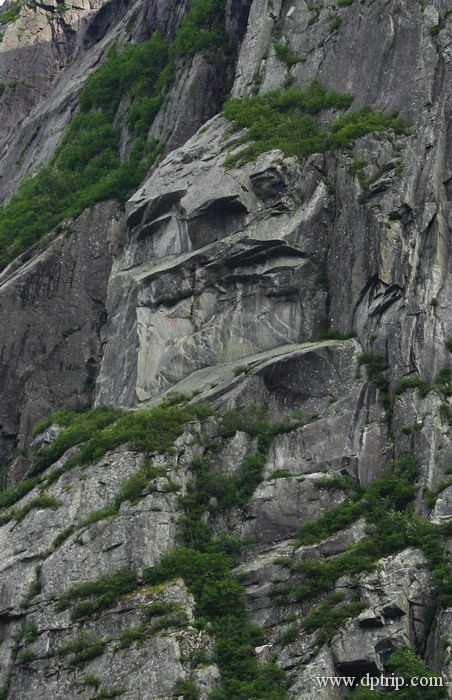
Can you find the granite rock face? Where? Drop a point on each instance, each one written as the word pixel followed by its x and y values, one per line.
pixel 221 283
pixel 51 354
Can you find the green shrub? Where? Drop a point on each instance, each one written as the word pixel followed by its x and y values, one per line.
pixel 344 3
pixel 11 13
pixel 26 656
pixel 335 21
pixel 327 617
pixel 10 496
pixel 337 518
pixel 61 417
pixel 95 516
pixel 285 119
pixel 31 632
pixel 134 634
pixel 63 535
pixel 286 54
pixel 81 427
pixel 242 369
pixel 92 680
pixel 406 664
pixel 187 689
pixel 83 649
pixel 443 380
pixel 288 636
pixel 406 383
pixel 174 618
pixel 202 31
pixel 106 591
pixel 41 501
pixel 102 429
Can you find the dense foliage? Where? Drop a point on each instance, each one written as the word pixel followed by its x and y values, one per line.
pixel 97 431
pixel 286 119
pixel 11 13
pixel 87 167
pixel 102 429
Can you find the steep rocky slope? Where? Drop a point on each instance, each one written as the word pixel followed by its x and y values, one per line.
pixel 305 300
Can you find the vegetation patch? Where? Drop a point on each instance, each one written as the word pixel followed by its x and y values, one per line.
pixel 220 599
pixel 104 593
pixel 11 13
pixel 82 649
pixel 376 367
pixel 26 656
pixel 102 429
pixel 87 167
pixel 327 617
pixel 186 689
pixel 216 490
pixel 392 525
pixel 405 663
pixel 288 636
pixel 9 497
pixel 443 380
pixel 286 119
pixel 406 383
pixel 169 615
pixel 41 501
pixel 286 54
pixel 205 562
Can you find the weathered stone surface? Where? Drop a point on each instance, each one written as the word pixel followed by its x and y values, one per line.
pixel 50 348
pixel 398 596
pixel 224 283
pixel 192 222
pixel 279 505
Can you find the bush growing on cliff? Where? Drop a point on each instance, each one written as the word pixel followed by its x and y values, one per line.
pixel 11 13
pixel 220 598
pixel 287 55
pixel 405 383
pixel 405 663
pixel 327 617
pixel 102 429
pixel 376 367
pixel 393 525
pixel 286 119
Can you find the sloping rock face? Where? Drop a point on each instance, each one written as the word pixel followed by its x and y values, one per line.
pixel 52 355
pixel 221 283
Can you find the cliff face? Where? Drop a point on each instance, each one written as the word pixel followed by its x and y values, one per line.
pixel 315 287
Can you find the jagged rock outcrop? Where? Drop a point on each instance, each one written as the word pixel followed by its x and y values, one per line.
pixel 220 283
